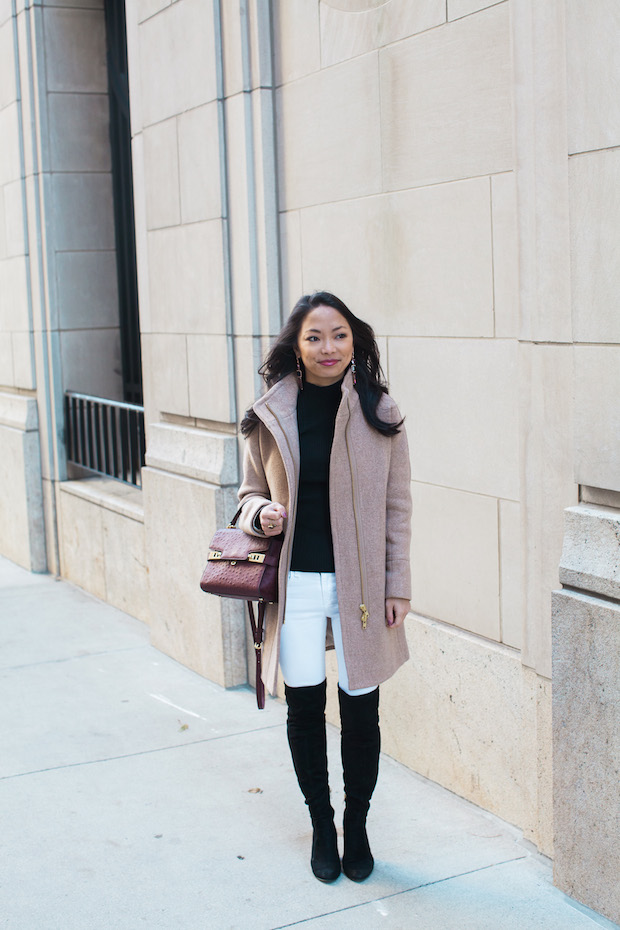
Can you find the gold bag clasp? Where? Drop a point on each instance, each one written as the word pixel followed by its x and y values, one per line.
pixel 215 554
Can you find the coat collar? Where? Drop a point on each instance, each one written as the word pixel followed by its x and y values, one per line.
pixel 281 399
pixel 277 409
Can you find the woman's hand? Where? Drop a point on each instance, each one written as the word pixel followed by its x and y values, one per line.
pixel 396 609
pixel 272 518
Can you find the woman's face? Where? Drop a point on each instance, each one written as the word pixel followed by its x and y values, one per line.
pixel 325 345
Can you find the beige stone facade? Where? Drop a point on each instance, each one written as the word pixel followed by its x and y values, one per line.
pixel 449 168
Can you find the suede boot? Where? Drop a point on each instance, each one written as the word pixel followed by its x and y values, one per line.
pixel 307 739
pixel 360 744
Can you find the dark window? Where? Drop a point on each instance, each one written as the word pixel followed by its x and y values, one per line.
pixel 122 181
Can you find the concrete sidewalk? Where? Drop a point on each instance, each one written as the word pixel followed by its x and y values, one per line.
pixel 134 793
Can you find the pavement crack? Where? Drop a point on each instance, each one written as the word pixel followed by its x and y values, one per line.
pixel 396 894
pixel 85 655
pixel 143 752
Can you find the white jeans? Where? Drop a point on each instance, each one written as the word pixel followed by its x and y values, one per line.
pixel 310 599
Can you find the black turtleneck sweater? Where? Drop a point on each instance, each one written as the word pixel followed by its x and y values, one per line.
pixel 316 416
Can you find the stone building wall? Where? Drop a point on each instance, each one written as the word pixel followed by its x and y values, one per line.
pixel 448 169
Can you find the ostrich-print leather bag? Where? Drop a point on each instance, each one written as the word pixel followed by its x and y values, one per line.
pixel 245 568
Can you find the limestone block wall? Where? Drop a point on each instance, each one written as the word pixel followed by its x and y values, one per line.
pixel 186 498
pixel 389 199
pixel 398 192
pixel 102 545
pixel 189 128
pixel 179 222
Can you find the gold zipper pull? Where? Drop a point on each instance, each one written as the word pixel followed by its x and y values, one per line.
pixel 364 610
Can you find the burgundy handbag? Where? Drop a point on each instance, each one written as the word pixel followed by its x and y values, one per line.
pixel 245 568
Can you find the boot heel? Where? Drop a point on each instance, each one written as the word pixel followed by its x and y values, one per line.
pixel 357 862
pixel 325 861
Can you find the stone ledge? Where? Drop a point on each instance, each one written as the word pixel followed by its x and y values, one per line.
pixel 591 554
pixel 194 453
pixel 19 412
pixel 112 495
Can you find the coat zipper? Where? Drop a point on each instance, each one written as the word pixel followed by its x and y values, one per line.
pixel 363 608
pixel 292 515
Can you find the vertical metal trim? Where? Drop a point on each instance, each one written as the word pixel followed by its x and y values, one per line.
pixel 270 167
pixel 250 166
pixel 226 251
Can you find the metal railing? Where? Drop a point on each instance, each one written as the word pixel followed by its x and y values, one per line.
pixel 105 436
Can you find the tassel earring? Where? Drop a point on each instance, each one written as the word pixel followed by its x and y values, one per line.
pixel 353 369
pixel 300 377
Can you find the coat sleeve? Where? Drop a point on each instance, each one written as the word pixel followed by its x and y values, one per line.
pixel 398 519
pixel 254 491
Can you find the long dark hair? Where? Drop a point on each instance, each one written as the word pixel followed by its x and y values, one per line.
pixel 370 381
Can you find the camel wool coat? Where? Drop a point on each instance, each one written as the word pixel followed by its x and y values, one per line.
pixel 370 510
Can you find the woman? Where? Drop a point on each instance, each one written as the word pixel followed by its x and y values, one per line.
pixel 326 463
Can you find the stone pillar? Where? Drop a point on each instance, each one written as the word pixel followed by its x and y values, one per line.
pixel 586 613
pixel 586 709
pixel 545 368
pixel 22 535
pixel 208 272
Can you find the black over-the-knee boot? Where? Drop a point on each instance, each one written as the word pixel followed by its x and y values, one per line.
pixel 361 743
pixel 307 739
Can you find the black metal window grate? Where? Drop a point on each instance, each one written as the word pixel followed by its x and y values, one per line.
pixel 105 436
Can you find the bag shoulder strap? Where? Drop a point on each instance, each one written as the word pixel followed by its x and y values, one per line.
pixel 258 634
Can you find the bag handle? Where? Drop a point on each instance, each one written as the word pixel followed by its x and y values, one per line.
pixel 233 522
pixel 258 635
